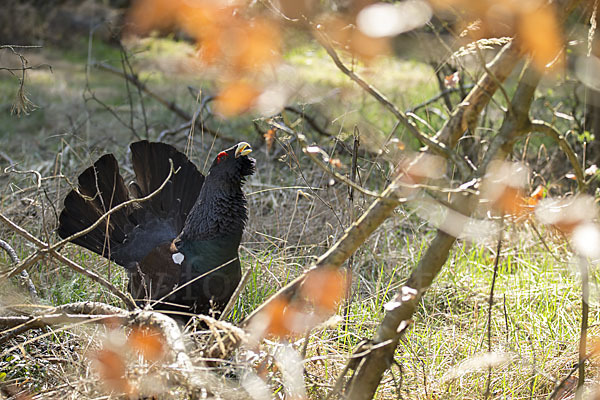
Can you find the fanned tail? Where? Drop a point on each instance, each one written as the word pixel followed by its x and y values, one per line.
pixel 131 233
pixel 151 166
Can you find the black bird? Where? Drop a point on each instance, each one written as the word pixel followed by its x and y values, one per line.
pixel 180 247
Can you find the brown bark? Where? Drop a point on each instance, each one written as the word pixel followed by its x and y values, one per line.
pixel 375 362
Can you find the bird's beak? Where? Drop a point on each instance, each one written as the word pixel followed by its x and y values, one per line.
pixel 242 149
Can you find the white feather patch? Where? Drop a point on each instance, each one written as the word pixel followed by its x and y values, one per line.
pixel 178 258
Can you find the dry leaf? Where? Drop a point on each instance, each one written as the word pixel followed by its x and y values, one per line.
pixel 540 35
pixel 270 138
pixel 111 368
pixel 452 81
pixel 236 98
pixel 280 315
pixel 326 287
pixel 148 342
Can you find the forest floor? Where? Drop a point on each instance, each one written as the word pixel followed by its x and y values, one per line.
pixel 296 213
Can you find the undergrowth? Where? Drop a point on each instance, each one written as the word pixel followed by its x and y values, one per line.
pixel 296 213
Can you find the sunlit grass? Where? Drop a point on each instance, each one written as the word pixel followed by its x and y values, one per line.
pixel 535 318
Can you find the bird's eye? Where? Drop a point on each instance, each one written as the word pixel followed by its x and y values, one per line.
pixel 221 156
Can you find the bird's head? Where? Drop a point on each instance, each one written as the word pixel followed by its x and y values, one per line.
pixel 233 164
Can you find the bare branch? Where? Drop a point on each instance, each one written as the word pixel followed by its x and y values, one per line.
pixel 302 140
pixel 44 248
pixel 467 112
pixel 181 113
pixel 550 131
pixel 436 146
pixel 26 280
pixel 370 369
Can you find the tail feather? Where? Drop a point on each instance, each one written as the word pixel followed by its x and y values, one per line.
pixel 133 231
pixel 151 166
pixel 101 188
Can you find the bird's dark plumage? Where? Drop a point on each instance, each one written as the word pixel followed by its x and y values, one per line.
pixel 179 247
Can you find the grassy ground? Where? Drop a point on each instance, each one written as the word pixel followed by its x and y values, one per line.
pixel 295 214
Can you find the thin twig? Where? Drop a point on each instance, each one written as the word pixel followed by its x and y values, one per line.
pixel 585 310
pixel 305 148
pixel 491 304
pixel 352 218
pixel 550 131
pixel 26 280
pixel 310 120
pixel 437 97
pixel 171 105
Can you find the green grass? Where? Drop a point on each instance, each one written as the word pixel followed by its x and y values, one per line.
pixel 536 312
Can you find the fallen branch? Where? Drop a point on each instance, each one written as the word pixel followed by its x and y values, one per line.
pixel 93 312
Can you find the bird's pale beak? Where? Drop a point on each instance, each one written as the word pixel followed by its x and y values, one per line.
pixel 242 149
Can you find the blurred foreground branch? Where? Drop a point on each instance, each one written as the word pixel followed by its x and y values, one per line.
pixel 87 312
pixel 433 143
pixel 372 365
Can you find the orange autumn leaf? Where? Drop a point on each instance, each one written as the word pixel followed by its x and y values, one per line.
pixel 148 342
pixel 280 316
pixel 111 368
pixel 540 35
pixel 257 45
pixel 326 287
pixel 367 47
pixel 204 19
pixel 535 24
pixel 344 33
pixel 510 201
pixel 145 15
pixel 566 214
pixel 452 81
pixel 270 138
pixel 335 163
pixel 210 51
pixel 567 226
pixel 236 98
pixel 419 170
pixel 535 197
pixel 336 28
